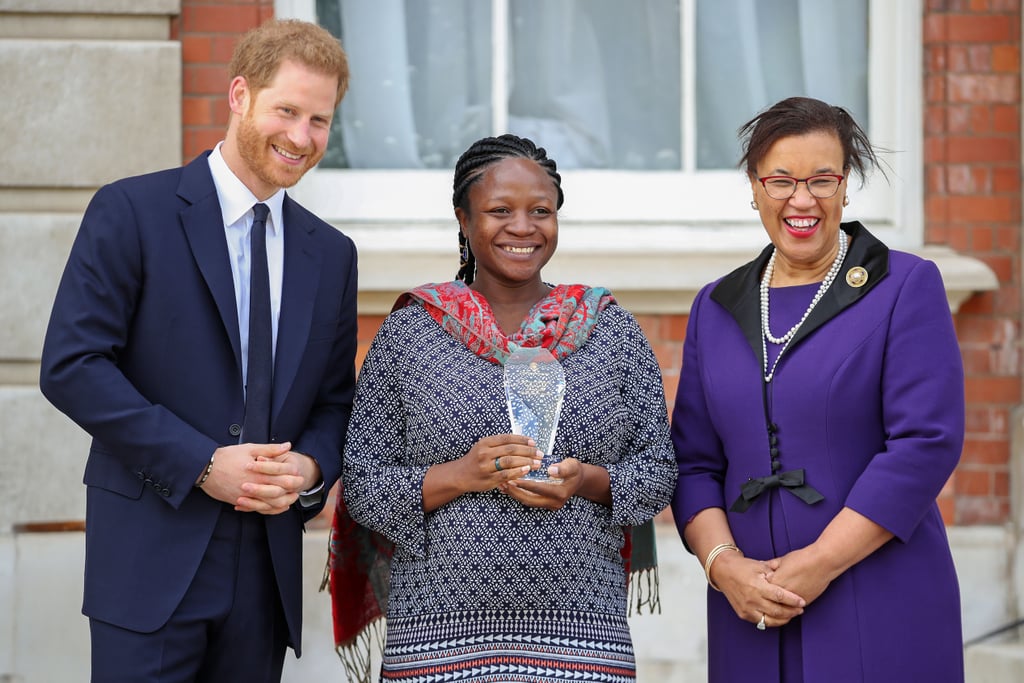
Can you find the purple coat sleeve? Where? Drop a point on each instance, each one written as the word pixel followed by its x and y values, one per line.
pixel 922 408
pixel 701 471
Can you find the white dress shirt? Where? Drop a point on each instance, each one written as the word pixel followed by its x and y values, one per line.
pixel 236 203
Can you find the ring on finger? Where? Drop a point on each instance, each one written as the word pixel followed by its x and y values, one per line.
pixel 497 465
pixel 760 624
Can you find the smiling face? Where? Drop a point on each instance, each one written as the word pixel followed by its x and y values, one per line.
pixel 280 132
pixel 511 223
pixel 803 228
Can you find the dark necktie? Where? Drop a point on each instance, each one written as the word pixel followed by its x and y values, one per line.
pixel 259 382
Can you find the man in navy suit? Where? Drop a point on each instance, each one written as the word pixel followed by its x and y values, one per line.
pixel 193 525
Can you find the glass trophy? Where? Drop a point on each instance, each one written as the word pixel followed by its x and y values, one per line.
pixel 534 388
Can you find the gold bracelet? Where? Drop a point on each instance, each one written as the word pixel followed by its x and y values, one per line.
pixel 202 480
pixel 715 552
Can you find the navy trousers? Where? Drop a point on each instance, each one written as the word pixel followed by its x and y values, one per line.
pixel 228 627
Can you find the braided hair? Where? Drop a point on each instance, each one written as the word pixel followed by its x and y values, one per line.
pixel 471 166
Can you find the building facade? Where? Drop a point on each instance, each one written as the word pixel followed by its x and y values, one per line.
pixel 101 89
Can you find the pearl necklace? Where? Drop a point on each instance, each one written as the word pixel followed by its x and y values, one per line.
pixel 785 339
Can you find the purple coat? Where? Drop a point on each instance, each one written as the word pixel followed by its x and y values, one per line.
pixel 869 401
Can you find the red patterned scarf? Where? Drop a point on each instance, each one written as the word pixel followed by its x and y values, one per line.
pixel 560 322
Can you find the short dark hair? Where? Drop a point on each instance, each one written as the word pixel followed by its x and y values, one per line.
pixel 471 165
pixel 802 115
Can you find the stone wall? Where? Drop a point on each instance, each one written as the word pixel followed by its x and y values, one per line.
pixel 92 92
pixel 99 89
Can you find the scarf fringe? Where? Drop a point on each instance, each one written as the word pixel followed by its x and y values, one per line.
pixel 357 655
pixel 325 580
pixel 644 591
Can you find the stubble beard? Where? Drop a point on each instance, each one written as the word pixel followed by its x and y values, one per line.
pixel 256 153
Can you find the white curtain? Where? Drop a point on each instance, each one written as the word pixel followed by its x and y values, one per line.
pixel 419 92
pixel 753 53
pixel 596 82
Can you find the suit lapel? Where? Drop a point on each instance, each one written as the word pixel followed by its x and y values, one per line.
pixel 738 292
pixel 203 224
pixel 204 228
pixel 302 262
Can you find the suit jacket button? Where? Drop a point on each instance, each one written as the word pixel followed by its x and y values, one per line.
pixel 235 429
pixel 165 492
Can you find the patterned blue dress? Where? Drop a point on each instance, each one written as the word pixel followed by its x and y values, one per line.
pixel 484 588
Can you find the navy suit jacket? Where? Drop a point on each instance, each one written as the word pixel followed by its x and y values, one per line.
pixel 143 352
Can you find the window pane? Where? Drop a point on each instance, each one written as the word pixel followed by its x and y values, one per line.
pixel 597 82
pixel 420 89
pixel 753 53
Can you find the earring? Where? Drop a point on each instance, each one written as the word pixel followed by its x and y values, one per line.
pixel 846 200
pixel 753 204
pixel 464 253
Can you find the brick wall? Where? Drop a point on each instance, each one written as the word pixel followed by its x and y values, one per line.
pixel 208 31
pixel 972 136
pixel 972 130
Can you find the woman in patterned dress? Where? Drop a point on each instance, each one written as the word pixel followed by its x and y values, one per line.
pixel 496 577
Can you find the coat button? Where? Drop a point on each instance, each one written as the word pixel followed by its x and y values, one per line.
pixel 165 492
pixel 235 429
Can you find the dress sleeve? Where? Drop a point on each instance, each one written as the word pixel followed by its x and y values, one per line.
pixel 381 490
pixel 922 408
pixel 643 480
pixel 699 453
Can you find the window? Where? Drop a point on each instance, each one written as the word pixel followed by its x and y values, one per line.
pixel 637 100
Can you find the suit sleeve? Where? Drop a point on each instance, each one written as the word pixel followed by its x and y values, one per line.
pixel 87 335
pixel 323 437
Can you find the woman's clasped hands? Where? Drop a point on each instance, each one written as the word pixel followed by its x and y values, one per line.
pixel 750 587
pixel 502 460
pixel 495 460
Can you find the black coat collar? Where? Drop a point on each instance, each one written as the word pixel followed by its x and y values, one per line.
pixel 738 292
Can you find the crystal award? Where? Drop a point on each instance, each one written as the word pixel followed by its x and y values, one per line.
pixel 534 388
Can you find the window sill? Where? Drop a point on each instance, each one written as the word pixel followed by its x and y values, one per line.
pixel 649 269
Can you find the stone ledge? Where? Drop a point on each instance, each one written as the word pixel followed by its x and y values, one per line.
pixel 164 7
pixel 995 662
pixel 88 27
pixel 650 274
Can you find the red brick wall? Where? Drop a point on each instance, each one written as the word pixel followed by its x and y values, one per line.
pixel 208 31
pixel 972 164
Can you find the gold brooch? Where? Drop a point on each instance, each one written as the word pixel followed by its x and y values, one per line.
pixel 856 277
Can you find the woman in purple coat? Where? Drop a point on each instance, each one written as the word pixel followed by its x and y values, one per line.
pixel 819 413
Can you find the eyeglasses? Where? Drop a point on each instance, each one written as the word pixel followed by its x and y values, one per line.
pixel 783 186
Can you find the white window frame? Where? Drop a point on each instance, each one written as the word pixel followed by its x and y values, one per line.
pixel 654 238
pixel 710 206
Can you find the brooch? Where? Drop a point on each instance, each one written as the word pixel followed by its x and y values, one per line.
pixel 856 276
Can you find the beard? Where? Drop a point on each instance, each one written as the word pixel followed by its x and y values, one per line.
pixel 255 150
